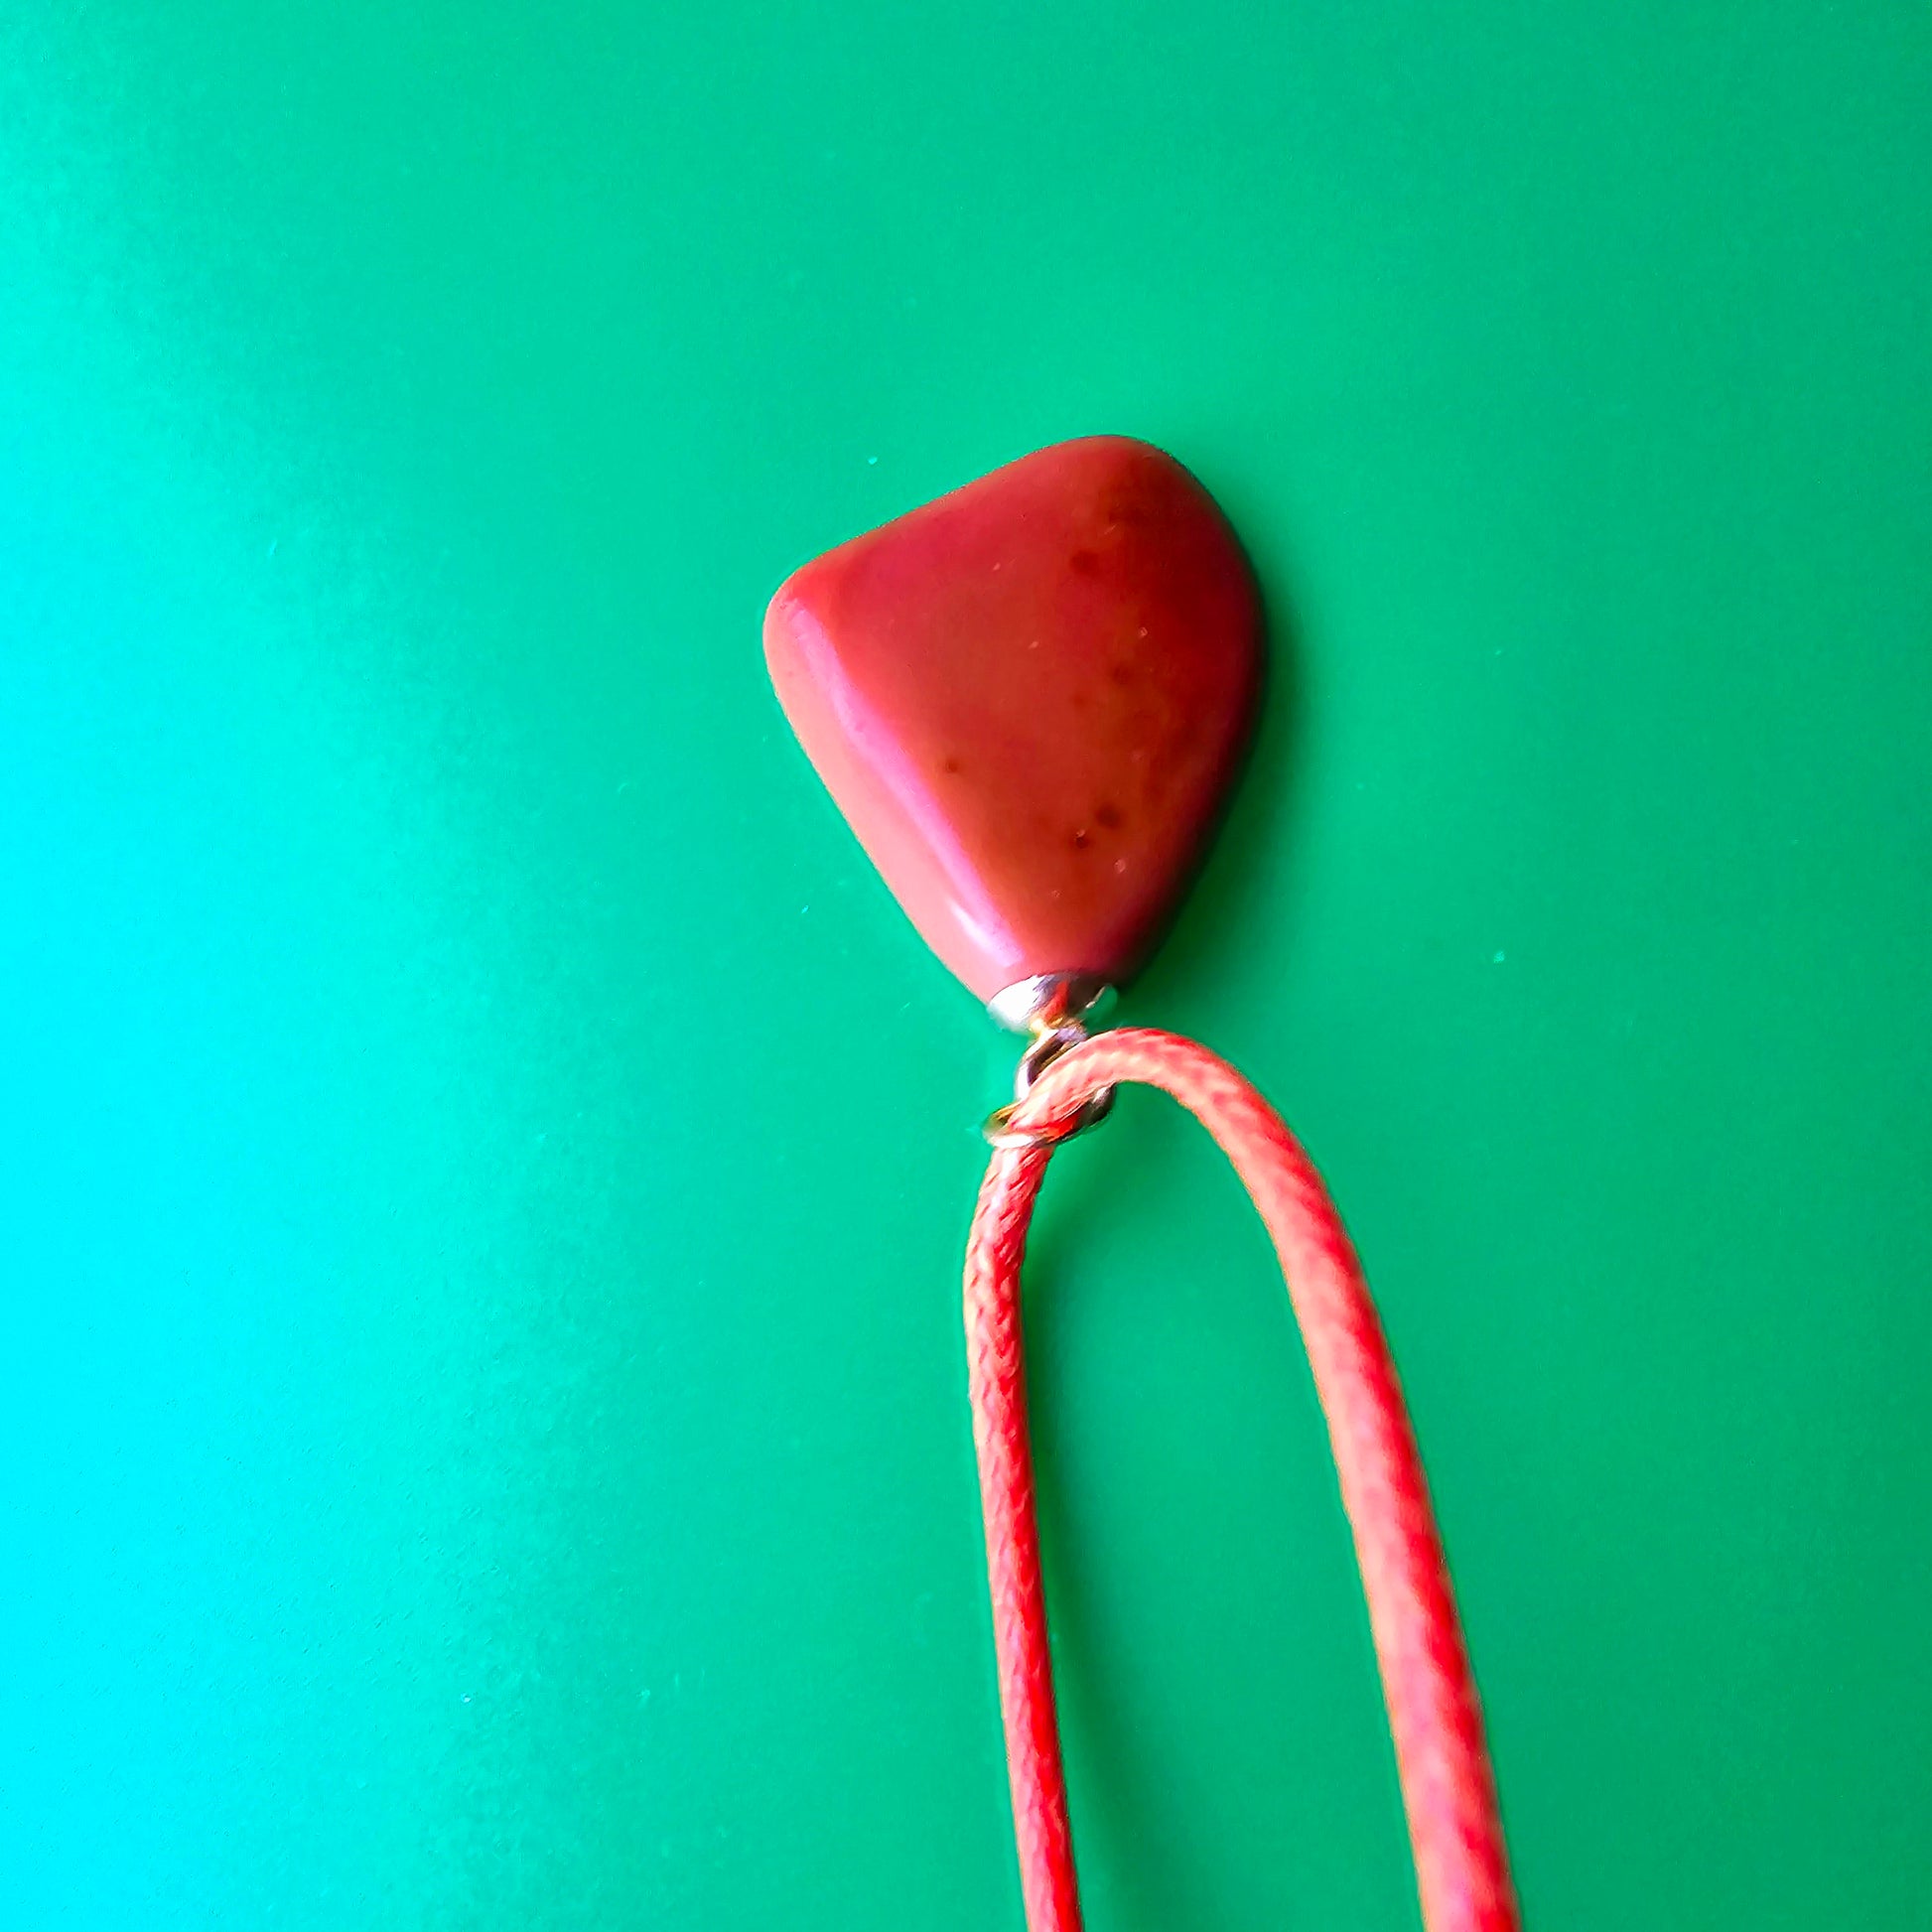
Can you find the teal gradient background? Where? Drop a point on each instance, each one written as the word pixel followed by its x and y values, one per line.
pixel 483 1163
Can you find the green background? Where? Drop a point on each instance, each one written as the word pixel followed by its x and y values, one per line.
pixel 485 1163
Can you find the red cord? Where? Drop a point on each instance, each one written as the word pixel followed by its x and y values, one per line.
pixel 1462 1868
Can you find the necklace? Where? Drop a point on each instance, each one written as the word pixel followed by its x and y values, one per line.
pixel 1030 698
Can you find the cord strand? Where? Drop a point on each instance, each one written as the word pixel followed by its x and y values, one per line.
pixel 1442 1760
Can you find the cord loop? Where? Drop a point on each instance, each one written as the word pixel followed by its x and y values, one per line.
pixel 1442 1759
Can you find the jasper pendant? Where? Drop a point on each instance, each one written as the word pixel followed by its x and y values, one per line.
pixel 1030 698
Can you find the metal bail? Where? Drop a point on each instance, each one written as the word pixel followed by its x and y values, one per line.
pixel 1051 1037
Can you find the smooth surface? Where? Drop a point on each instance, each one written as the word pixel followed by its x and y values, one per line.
pixel 1029 699
pixel 485 1163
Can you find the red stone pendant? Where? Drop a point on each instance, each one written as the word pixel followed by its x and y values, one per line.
pixel 1030 698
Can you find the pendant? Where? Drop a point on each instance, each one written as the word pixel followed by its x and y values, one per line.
pixel 1030 698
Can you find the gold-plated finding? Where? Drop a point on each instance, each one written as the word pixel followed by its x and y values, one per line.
pixel 1050 1000
pixel 1000 1132
pixel 1048 1043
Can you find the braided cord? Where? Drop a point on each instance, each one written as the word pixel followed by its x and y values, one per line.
pixel 1448 1794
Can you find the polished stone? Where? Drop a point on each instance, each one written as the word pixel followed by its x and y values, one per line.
pixel 1029 698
